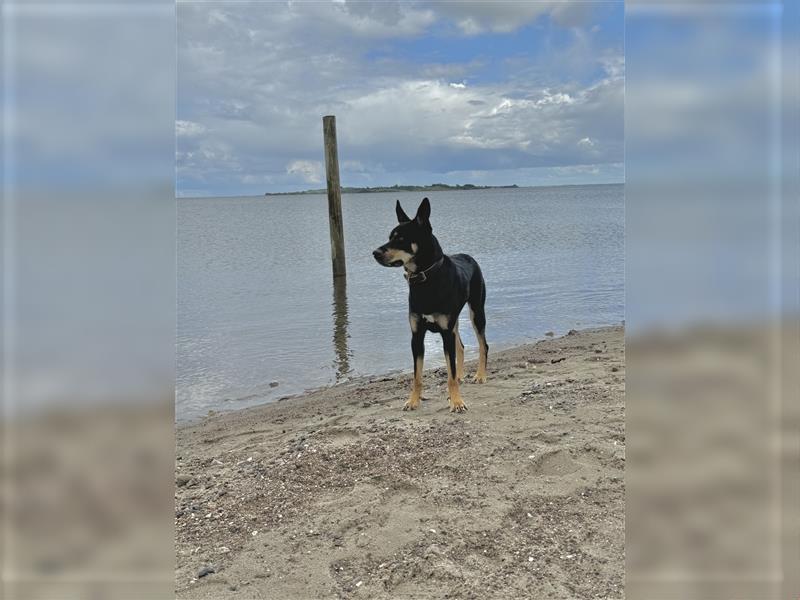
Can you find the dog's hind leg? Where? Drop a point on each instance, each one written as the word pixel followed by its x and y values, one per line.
pixel 478 318
pixel 456 401
pixel 418 352
pixel 459 356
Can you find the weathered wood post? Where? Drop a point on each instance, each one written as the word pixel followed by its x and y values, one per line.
pixel 334 196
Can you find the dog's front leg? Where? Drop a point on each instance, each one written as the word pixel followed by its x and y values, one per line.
pixel 418 352
pixel 459 357
pixel 449 342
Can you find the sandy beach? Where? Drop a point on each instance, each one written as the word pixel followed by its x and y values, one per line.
pixel 337 493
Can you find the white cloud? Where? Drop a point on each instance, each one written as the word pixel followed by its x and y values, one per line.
pixel 386 19
pixel 216 16
pixel 430 114
pixel 364 19
pixel 557 98
pixel 506 16
pixel 614 65
pixel 310 171
pixel 458 86
pixel 189 128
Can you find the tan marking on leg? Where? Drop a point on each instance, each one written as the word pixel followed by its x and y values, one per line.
pixel 413 320
pixel 453 391
pixel 480 376
pixel 459 357
pixel 416 390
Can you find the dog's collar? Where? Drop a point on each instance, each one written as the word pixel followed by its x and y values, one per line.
pixel 422 276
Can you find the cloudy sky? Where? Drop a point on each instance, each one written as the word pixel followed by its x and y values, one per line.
pixel 526 93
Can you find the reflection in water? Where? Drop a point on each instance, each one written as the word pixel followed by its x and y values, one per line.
pixel 340 335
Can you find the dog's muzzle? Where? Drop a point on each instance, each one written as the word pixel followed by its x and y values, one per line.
pixel 380 256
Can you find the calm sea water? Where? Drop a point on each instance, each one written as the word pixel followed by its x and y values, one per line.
pixel 256 303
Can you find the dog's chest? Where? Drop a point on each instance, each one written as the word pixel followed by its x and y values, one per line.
pixel 435 321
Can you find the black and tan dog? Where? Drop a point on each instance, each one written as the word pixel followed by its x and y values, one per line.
pixel 438 287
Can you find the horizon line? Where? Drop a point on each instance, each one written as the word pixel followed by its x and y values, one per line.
pixel 478 188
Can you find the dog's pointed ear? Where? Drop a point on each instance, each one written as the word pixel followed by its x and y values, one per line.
pixel 402 217
pixel 424 212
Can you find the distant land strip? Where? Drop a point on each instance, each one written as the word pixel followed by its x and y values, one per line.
pixel 436 187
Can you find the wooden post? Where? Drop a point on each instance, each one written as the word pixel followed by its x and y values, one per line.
pixel 334 196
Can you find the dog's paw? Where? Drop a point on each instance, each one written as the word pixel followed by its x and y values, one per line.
pixel 411 405
pixel 479 379
pixel 458 407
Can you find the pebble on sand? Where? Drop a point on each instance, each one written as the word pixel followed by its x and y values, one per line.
pixel 207 570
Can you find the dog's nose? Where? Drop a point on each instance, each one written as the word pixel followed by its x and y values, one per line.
pixel 377 253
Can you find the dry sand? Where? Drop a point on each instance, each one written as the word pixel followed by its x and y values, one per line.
pixel 339 494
